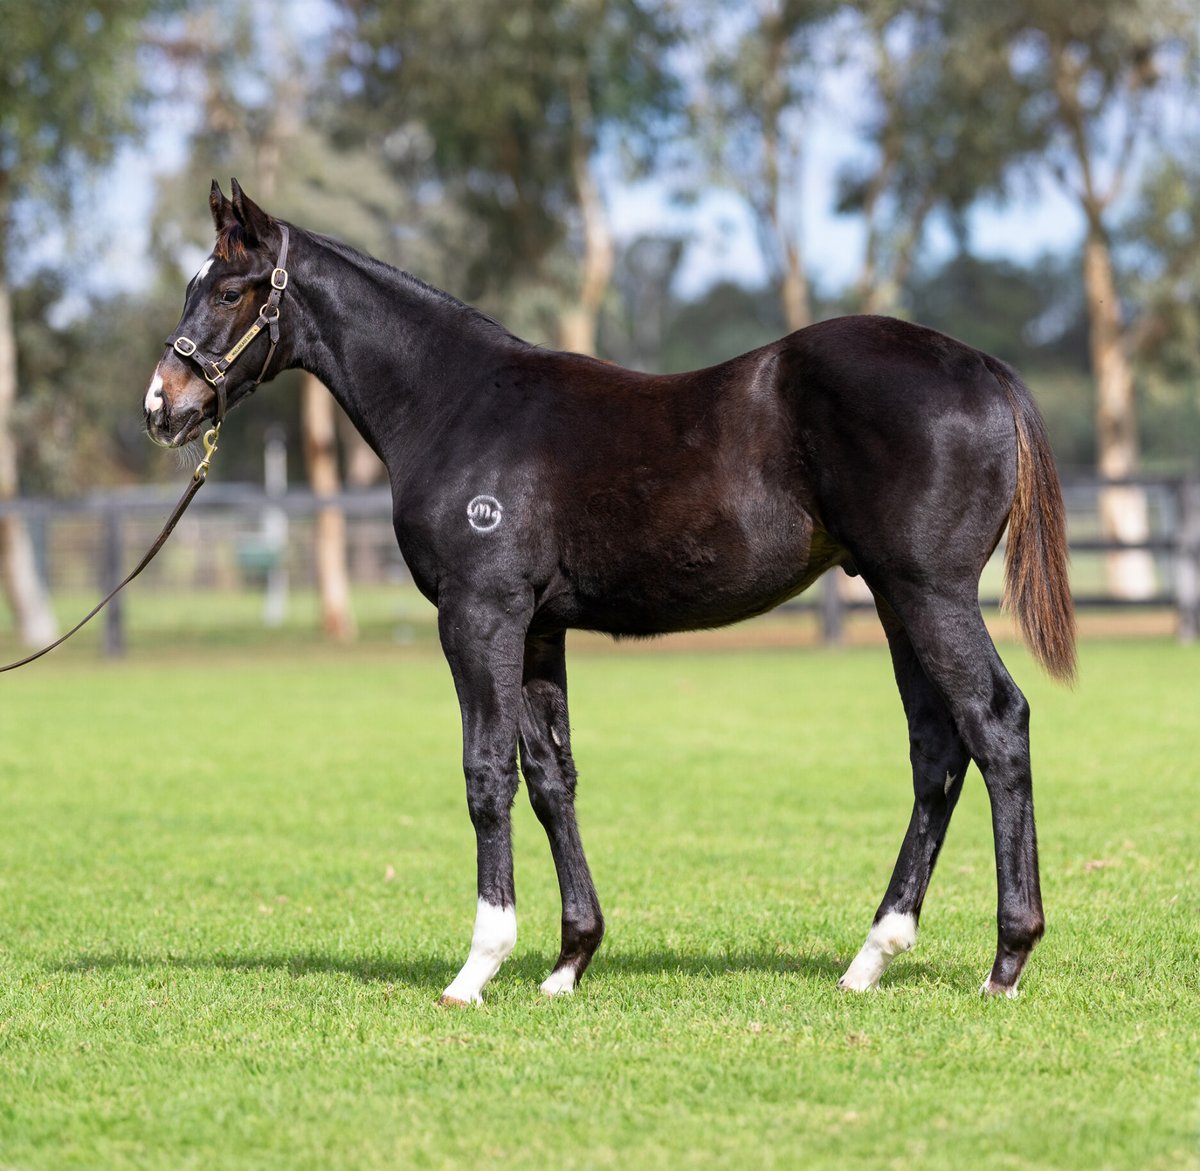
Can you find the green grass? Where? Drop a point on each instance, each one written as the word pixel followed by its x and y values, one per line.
pixel 231 891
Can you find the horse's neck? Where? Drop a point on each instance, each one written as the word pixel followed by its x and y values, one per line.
pixel 390 350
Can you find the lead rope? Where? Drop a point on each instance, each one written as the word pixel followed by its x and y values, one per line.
pixel 194 486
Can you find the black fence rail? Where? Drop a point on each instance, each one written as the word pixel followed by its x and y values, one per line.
pixel 263 538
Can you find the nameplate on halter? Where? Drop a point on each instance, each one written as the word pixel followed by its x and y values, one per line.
pixel 247 338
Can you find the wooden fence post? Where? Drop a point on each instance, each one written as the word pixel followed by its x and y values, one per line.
pixel 1187 560
pixel 832 612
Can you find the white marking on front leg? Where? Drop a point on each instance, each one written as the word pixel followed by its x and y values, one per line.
pixel 154 396
pixel 560 982
pixel 494 938
pixel 950 778
pixel 891 935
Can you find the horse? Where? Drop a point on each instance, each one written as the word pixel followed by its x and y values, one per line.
pixel 536 492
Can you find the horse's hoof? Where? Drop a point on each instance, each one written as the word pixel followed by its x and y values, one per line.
pixel 848 983
pixel 1008 991
pixel 447 1001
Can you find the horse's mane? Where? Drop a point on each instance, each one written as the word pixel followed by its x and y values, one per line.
pixel 391 274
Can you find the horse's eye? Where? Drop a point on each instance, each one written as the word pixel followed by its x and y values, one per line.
pixel 230 297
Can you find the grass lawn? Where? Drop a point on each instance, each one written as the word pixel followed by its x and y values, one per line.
pixel 232 888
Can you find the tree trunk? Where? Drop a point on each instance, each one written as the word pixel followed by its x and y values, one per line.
pixel 794 292
pixel 318 412
pixel 578 322
pixel 363 466
pixel 1123 510
pixel 795 295
pixel 32 616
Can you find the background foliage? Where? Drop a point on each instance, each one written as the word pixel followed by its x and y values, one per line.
pixel 484 151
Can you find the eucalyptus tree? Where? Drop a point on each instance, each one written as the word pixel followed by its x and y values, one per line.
pixel 253 93
pixel 515 105
pixel 1097 82
pixel 1158 252
pixel 940 127
pixel 761 81
pixel 69 95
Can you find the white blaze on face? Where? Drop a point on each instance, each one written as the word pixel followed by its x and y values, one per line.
pixel 893 934
pixel 204 268
pixel 154 396
pixel 494 938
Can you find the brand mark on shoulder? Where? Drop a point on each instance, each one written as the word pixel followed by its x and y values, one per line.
pixel 485 513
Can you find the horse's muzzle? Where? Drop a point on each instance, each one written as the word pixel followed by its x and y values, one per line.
pixel 177 403
pixel 174 431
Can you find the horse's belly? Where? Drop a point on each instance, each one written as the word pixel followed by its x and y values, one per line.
pixel 684 571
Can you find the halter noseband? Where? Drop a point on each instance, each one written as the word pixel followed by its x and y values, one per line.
pixel 214 369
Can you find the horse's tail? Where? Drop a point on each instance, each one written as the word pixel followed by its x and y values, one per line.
pixel 1036 585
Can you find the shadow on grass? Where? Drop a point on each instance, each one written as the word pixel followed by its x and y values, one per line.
pixel 435 972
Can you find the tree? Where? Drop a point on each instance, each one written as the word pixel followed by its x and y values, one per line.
pixel 1158 256
pixel 941 126
pixel 68 97
pixel 516 104
pixel 1094 79
pixel 260 118
pixel 761 81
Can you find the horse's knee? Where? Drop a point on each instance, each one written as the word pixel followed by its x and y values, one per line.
pixel 491 789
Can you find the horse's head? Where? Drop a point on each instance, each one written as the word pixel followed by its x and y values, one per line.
pixel 224 341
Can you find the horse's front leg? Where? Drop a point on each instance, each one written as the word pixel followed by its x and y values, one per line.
pixel 550 777
pixel 484 643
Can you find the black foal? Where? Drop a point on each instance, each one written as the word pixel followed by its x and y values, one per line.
pixel 536 492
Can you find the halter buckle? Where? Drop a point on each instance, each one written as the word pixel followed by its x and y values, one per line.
pixel 279 279
pixel 184 347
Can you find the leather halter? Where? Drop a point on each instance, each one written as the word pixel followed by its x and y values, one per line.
pixel 214 369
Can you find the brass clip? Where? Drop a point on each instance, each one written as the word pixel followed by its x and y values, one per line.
pixel 210 449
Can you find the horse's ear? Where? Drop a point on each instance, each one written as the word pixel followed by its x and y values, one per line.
pixel 255 222
pixel 221 208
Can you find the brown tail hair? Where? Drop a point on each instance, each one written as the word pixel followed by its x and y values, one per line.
pixel 1036 585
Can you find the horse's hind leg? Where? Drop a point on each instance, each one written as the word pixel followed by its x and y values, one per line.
pixel 992 717
pixel 939 762
pixel 545 741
